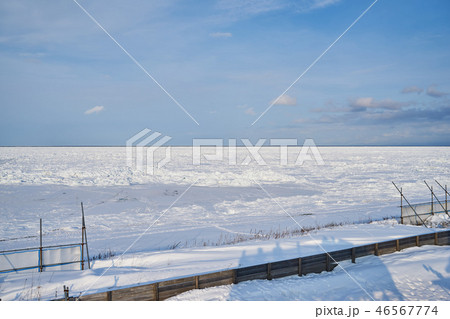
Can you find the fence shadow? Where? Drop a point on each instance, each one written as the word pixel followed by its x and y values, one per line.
pixel 255 267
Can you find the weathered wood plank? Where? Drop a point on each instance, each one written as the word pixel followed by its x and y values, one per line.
pixel 208 280
pixel 427 239
pixel 314 259
pixel 284 272
pixel 285 264
pixel 224 273
pixel 251 270
pixel 313 268
pixel 365 250
pixel 137 293
pixel 387 247
pixel 443 238
pixel 221 282
pixel 387 244
pixel 180 285
pixel 163 295
pixel 407 242
pixel 176 281
pixel 94 297
pixel 251 277
pixel 340 255
pixel 387 250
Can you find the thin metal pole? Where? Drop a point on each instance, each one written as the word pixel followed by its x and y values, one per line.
pixel 85 235
pixel 401 205
pixel 433 194
pixel 40 246
pixel 446 193
pixel 432 210
pixel 445 189
pixel 82 238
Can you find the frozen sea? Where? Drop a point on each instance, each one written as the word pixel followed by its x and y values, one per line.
pixel 184 205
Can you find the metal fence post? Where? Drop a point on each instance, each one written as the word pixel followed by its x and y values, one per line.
pixel 41 267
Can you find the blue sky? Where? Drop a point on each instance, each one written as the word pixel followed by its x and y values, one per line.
pixel 65 82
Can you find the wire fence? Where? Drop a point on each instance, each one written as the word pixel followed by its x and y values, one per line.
pixel 59 257
pixel 418 214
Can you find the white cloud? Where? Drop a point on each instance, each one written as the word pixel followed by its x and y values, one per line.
pixel 250 111
pixel 363 103
pixel 95 109
pixel 309 5
pixel 221 35
pixel 245 8
pixel 285 100
pixel 318 4
pixel 250 7
pixel 412 89
pixel 431 91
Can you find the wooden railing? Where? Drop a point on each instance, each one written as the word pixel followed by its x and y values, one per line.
pixel 297 266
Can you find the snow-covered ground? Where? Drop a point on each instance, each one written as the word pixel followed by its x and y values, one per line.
pixel 418 273
pixel 144 268
pixel 183 207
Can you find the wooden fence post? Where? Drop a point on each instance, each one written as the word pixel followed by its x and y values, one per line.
pixel 327 262
pixel 156 291
pixel 109 296
pixel 269 270
pixel 377 253
pixel 417 241
pixel 353 255
pixel 300 267
pixel 196 282
pixel 397 245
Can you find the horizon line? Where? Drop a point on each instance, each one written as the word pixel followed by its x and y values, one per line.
pixel 187 145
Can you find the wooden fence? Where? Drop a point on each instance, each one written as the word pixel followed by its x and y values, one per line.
pixel 297 266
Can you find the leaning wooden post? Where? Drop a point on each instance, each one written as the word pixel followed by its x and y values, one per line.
pixel 41 267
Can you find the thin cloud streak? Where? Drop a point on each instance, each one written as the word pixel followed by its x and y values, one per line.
pixel 95 109
pixel 433 92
